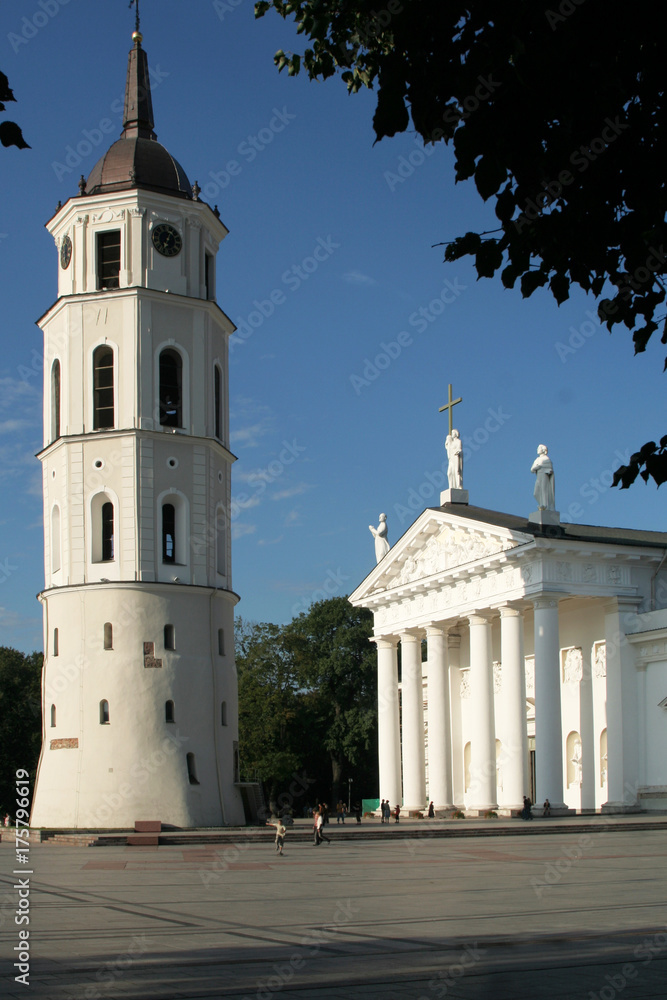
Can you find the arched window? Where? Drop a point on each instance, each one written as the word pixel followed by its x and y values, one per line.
pixel 171 388
pixel 221 642
pixel 223 713
pixel 169 637
pixel 168 533
pixel 169 711
pixel 53 716
pixel 108 635
pixel 217 402
pixel 107 532
pixel 55 642
pixel 55 539
pixel 55 400
pixel 192 769
pixel 103 411
pixel 104 712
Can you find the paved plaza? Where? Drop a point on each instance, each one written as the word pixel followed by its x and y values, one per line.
pixel 561 915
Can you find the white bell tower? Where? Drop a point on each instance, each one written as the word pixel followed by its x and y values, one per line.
pixel 139 681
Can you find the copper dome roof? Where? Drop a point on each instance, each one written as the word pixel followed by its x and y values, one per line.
pixel 138 162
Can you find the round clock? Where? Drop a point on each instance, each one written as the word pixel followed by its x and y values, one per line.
pixel 65 252
pixel 167 240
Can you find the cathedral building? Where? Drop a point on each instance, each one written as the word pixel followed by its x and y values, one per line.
pixel 520 656
pixel 139 680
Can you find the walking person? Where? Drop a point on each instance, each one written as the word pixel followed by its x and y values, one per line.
pixel 319 835
pixel 281 830
pixel 398 812
pixel 387 811
pixel 382 811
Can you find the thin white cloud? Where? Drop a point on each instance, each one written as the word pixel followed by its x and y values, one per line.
pixel 249 437
pixel 292 491
pixel 292 519
pixel 11 426
pixel 239 530
pixel 246 504
pixel 270 541
pixel 358 278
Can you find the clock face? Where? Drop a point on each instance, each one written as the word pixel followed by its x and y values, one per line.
pixel 167 240
pixel 65 252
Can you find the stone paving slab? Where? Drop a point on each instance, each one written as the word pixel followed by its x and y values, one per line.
pixel 411 918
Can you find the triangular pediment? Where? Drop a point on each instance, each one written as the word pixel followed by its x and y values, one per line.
pixel 437 543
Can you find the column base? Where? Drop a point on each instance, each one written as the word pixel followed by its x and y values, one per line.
pixel 620 807
pixel 479 812
pixel 559 809
pixel 407 811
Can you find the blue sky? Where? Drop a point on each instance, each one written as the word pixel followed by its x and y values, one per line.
pixel 351 325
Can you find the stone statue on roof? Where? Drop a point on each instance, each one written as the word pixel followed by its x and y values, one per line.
pixel 545 488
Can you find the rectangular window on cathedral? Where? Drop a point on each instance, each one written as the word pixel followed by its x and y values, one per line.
pixel 108 259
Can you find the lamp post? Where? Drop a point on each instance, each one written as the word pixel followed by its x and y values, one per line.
pixel 349 794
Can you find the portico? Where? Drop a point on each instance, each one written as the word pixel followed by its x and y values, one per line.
pixel 486 621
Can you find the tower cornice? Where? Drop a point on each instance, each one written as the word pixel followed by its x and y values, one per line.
pixel 140 433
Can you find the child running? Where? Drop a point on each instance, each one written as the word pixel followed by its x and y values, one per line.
pixel 280 834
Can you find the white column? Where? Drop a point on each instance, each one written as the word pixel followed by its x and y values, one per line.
pixel 439 728
pixel 414 782
pixel 454 657
pixel 483 742
pixel 548 726
pixel 389 739
pixel 622 710
pixel 514 736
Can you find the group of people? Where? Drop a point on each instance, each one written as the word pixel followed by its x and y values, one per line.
pixel 385 812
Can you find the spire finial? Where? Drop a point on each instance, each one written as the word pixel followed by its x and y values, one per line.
pixel 137 37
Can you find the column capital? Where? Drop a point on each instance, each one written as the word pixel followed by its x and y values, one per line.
pixel 542 602
pixel 478 619
pixel 507 611
pixel 454 640
pixel 384 641
pixel 409 636
pixel 437 628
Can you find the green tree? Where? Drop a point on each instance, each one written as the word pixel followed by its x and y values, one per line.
pixel 268 706
pixel 20 720
pixel 336 666
pixel 10 132
pixel 559 114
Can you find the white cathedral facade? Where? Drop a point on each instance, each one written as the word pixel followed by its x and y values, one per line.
pixel 545 666
pixel 139 681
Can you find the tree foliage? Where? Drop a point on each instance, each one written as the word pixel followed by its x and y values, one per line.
pixel 20 720
pixel 10 133
pixel 308 702
pixel 558 115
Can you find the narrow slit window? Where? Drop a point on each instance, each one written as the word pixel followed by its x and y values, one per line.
pixel 221 642
pixel 104 712
pixel 107 532
pixel 103 388
pixel 53 716
pixel 208 274
pixel 171 389
pixel 223 713
pixel 108 635
pixel 168 533
pixel 108 259
pixel 169 637
pixel 217 387
pixel 169 712
pixel 192 769
pixel 55 400
pixel 55 642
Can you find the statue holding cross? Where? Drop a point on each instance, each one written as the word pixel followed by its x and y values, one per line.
pixel 453 446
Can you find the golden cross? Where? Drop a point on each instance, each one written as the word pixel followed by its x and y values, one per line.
pixel 450 406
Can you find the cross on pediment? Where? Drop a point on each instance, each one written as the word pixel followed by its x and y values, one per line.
pixel 450 406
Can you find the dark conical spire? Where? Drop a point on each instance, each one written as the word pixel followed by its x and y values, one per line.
pixel 138 114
